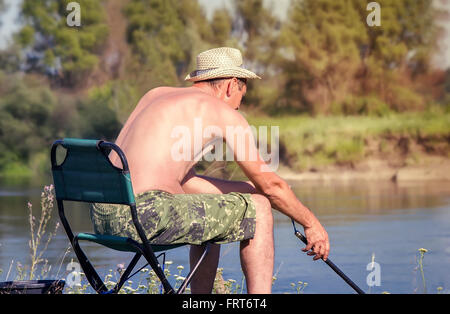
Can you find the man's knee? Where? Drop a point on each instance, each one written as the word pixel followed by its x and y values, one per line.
pixel 263 207
pixel 261 202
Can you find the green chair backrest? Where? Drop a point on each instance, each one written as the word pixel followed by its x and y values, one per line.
pixel 87 174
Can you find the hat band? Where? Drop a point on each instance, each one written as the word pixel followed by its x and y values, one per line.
pixel 201 72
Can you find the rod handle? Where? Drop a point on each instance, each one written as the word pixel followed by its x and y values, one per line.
pixel 333 266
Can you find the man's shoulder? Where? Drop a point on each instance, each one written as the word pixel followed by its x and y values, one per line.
pixel 160 90
pixel 167 93
pixel 200 103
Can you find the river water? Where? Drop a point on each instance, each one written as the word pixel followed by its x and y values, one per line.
pixel 383 221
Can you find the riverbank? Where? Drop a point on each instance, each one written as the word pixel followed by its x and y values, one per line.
pixel 397 147
pixel 435 169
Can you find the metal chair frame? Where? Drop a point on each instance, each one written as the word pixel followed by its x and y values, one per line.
pixel 145 248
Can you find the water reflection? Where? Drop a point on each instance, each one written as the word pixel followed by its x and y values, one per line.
pixel 360 200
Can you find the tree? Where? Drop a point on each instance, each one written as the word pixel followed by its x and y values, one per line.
pixel 256 28
pixel 407 34
pixel 222 26
pixel 332 57
pixel 165 36
pixel 67 54
pixel 26 109
pixel 322 40
pixel 399 51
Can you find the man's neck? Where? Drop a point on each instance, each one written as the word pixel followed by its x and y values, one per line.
pixel 208 89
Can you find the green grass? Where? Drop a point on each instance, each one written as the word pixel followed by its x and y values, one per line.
pixel 432 122
pixel 16 169
pixel 324 140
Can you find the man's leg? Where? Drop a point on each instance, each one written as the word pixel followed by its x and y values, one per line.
pixel 203 280
pixel 257 269
pixel 257 254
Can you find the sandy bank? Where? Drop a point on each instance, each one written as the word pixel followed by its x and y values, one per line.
pixel 434 168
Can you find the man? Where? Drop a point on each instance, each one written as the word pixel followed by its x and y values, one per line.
pixel 177 205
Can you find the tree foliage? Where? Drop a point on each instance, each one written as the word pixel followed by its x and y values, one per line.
pixel 26 124
pixel 331 55
pixel 322 59
pixel 406 36
pixel 164 36
pixel 323 38
pixel 258 30
pixel 68 54
pixel 222 26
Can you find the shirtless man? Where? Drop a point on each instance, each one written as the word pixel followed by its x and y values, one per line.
pixel 148 142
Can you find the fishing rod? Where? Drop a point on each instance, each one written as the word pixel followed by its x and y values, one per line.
pixel 330 263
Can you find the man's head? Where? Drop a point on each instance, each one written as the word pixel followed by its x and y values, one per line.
pixel 221 69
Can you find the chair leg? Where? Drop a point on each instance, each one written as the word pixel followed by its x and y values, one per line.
pixel 148 252
pixel 126 273
pixel 91 275
pixel 154 264
pixel 193 270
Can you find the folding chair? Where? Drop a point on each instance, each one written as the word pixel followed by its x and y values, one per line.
pixel 87 175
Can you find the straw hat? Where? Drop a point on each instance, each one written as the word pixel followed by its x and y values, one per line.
pixel 220 63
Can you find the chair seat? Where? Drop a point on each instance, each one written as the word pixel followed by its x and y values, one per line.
pixel 123 244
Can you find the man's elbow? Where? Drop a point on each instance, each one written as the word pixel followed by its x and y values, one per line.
pixel 274 187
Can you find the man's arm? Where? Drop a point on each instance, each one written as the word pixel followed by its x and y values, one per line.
pixel 280 195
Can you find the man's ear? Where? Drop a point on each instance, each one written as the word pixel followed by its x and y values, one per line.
pixel 230 87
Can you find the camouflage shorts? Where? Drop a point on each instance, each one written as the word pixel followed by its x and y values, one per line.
pixel 180 218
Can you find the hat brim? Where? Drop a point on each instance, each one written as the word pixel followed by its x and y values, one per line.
pixel 221 73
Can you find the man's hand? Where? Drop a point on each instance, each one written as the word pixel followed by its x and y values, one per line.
pixel 318 242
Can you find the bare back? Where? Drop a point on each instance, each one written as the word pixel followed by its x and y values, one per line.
pixel 147 137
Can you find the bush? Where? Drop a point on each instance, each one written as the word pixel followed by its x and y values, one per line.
pixel 25 123
pixel 361 105
pixel 97 118
pixel 403 99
